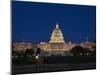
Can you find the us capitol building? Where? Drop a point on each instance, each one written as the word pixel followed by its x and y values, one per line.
pixel 56 45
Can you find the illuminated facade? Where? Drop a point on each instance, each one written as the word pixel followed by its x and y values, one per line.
pixel 88 45
pixel 22 46
pixel 56 45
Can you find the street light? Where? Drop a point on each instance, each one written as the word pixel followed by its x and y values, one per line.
pixel 37 57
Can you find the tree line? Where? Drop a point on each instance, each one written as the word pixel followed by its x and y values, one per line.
pixel 28 56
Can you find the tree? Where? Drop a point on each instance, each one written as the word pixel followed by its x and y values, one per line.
pixel 87 51
pixel 93 47
pixel 29 52
pixel 78 50
pixel 13 52
pixel 93 51
pixel 38 51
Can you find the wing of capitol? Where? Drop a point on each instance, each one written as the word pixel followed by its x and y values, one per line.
pixel 56 45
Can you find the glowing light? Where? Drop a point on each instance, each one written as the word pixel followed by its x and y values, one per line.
pixel 37 57
pixel 57 35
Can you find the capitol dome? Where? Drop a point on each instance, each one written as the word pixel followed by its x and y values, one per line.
pixel 57 36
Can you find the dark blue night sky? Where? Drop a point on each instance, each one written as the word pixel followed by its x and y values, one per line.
pixel 34 22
